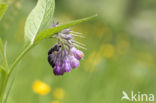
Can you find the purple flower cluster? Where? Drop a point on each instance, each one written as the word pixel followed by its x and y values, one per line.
pixel 63 56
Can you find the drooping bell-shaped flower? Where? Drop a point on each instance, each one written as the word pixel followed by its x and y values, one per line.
pixel 58 70
pixel 74 62
pixel 66 66
pixel 77 53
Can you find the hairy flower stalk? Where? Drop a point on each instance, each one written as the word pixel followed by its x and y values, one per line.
pixel 64 55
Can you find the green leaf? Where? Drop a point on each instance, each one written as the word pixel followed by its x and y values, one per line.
pixel 3 52
pixel 2 68
pixel 2 73
pixel 2 80
pixel 3 8
pixel 1 46
pixel 39 19
pixel 49 32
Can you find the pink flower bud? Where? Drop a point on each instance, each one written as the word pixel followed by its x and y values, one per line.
pixel 74 62
pixel 77 53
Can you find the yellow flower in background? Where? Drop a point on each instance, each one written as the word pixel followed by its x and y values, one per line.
pixel 58 93
pixel 18 5
pixel 41 88
pixel 108 51
pixel 102 32
pixel 94 59
pixel 123 46
pixel 55 101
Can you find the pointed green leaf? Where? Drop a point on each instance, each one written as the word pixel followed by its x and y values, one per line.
pixel 49 32
pixel 39 19
pixel 3 8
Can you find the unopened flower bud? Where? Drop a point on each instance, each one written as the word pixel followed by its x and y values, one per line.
pixel 68 37
pixel 74 62
pixel 66 31
pixel 77 53
pixel 55 24
pixel 66 66
pixel 57 70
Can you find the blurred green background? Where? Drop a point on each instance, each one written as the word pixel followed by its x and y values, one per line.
pixel 120 55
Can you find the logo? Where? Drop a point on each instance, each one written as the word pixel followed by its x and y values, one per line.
pixel 143 97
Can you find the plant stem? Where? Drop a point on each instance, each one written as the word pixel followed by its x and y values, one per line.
pixel 20 56
pixel 3 88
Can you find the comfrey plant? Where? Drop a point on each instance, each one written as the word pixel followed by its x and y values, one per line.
pixel 62 56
